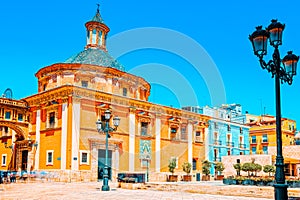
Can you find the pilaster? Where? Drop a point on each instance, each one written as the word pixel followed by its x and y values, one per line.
pixel 131 139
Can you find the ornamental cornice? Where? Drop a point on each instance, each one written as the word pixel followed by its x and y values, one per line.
pixel 48 96
pixel 96 70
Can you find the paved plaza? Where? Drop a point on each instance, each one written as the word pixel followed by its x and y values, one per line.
pixel 91 190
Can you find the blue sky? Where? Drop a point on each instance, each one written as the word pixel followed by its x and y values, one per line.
pixel 36 34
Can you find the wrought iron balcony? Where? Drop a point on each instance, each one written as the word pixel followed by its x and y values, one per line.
pixel 242 146
pixel 230 144
pixel 217 142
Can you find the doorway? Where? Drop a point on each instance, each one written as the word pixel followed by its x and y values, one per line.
pixel 24 160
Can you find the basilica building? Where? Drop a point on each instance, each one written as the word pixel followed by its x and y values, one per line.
pixel 54 131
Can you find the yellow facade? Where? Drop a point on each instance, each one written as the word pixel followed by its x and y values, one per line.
pixel 263 133
pixel 59 135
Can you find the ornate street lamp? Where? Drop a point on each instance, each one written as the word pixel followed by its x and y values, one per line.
pixel 106 130
pixel 282 73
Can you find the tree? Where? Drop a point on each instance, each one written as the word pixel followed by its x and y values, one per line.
pixel 187 167
pixel 257 168
pixel 269 169
pixel 248 167
pixel 219 167
pixel 238 168
pixel 206 167
pixel 172 165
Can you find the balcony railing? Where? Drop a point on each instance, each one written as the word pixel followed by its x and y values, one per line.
pixel 217 142
pixel 230 144
pixel 242 146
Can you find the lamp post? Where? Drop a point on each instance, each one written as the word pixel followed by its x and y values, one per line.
pixel 283 73
pixel 148 158
pixel 106 130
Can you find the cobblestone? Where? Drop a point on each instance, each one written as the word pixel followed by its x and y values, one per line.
pixel 91 190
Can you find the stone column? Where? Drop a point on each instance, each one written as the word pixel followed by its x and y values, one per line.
pixel 157 142
pixel 64 133
pixel 131 139
pixel 38 140
pixel 206 142
pixel 190 142
pixel 75 134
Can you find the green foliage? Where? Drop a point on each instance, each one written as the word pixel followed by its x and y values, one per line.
pixel 238 168
pixel 206 167
pixel 219 167
pixel 251 167
pixel 172 165
pixel 187 167
pixel 269 169
pixel 248 167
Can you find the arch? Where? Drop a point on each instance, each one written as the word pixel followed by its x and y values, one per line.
pixel 19 131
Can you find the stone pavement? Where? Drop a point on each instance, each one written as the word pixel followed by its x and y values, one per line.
pixel 91 190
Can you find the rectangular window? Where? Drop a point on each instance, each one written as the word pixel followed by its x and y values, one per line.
pixel 265 138
pixel 194 164
pixel 265 149
pixel 52 120
pixel 228 127
pixel 173 133
pixel 241 130
pixel 198 137
pixel 253 141
pixel 7 115
pixel 84 84
pixel 173 130
pixel 144 128
pixel 84 158
pixel 216 125
pixel 183 133
pixel 20 117
pixel 125 92
pixel 253 149
pixel 3 161
pixel 5 129
pixel 49 155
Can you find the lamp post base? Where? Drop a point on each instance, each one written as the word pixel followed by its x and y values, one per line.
pixel 105 188
pixel 281 191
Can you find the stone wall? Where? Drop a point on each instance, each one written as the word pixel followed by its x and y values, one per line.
pixel 229 161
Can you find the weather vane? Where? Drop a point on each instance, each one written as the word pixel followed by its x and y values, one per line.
pixel 98 5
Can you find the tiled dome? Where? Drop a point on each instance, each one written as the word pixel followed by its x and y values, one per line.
pixel 95 57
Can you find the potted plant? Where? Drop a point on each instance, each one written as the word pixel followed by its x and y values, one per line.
pixel 239 180
pixel 219 168
pixel 269 169
pixel 187 169
pixel 172 165
pixel 206 170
